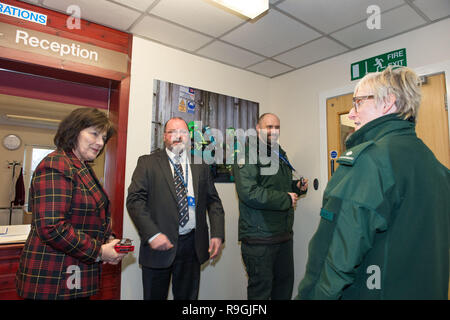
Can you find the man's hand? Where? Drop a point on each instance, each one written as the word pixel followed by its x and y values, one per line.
pixel 161 243
pixel 303 184
pixel 294 198
pixel 215 246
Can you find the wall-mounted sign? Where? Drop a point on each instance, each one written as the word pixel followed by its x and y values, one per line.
pixel 50 45
pixel 187 95
pixel 23 14
pixel 75 50
pixel 378 63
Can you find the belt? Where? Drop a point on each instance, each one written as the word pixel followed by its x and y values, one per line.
pixel 186 235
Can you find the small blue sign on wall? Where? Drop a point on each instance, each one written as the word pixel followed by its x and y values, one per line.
pixel 333 154
pixel 191 107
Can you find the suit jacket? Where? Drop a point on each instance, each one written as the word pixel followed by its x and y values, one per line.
pixel 152 206
pixel 71 221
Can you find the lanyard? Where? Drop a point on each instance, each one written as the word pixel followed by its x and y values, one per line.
pixel 294 172
pixel 185 182
pixel 285 160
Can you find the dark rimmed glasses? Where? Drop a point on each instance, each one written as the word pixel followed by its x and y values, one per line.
pixel 356 101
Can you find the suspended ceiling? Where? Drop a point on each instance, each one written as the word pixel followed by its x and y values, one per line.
pixel 291 35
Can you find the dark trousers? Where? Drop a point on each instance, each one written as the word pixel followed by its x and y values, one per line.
pixel 270 270
pixel 185 273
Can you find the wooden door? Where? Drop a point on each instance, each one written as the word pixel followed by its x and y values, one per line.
pixel 337 131
pixel 432 120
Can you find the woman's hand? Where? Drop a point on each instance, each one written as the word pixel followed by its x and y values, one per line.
pixel 109 254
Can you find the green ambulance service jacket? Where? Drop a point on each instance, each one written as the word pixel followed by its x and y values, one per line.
pixel 266 212
pixel 384 228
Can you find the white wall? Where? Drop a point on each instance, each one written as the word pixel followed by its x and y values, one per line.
pixel 298 98
pixel 225 279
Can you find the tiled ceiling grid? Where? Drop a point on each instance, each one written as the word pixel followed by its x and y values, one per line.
pixel 291 35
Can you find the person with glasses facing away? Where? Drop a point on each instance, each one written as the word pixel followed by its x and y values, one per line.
pixel 385 219
pixel 167 200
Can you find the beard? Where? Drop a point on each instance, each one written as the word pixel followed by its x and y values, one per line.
pixel 177 148
pixel 269 139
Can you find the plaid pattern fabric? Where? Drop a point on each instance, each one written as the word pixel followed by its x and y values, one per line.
pixel 71 221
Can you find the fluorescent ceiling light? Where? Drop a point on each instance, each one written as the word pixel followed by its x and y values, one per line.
pixel 248 8
pixel 32 119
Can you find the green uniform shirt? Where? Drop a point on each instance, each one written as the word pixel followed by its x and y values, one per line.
pixel 265 207
pixel 384 228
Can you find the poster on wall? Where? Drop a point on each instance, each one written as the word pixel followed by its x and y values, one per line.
pixel 213 120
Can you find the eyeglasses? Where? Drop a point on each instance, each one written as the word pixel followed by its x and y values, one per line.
pixel 177 131
pixel 356 101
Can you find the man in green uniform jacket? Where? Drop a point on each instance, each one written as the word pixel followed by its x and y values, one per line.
pixel 267 199
pixel 384 228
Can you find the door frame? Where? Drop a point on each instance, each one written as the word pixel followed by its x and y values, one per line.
pixel 441 67
pixel 118 83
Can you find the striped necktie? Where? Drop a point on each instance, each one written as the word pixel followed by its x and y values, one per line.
pixel 180 189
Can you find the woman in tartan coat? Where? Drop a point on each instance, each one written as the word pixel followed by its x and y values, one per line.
pixel 71 227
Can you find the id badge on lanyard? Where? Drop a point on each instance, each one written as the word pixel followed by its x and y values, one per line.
pixel 191 200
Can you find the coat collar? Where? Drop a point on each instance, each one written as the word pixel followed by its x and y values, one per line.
pixel 266 147
pixel 380 127
pixel 89 179
pixel 167 172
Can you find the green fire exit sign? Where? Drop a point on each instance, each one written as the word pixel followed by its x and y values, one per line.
pixel 378 63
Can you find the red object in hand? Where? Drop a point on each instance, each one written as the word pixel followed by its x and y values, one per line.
pixel 124 246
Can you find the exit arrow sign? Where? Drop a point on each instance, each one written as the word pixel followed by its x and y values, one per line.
pixel 378 63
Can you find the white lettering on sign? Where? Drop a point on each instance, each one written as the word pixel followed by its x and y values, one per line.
pixel 23 14
pixel 395 54
pixel 61 48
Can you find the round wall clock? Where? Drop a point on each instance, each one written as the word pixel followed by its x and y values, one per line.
pixel 12 142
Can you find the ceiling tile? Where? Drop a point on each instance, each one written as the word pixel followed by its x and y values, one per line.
pixel 393 22
pixel 141 5
pixel 328 16
pixel 271 34
pixel 311 52
pixel 170 34
pixel 434 9
pixel 221 51
pixel 269 68
pixel 198 15
pixel 99 11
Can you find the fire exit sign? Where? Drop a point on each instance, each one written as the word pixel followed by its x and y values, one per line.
pixel 378 63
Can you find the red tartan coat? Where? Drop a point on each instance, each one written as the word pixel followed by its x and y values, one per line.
pixel 71 221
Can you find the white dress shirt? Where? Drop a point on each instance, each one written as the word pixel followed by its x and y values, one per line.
pixel 184 161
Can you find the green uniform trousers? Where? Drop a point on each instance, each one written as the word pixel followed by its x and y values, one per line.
pixel 270 270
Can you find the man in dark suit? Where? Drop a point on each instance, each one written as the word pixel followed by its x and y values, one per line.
pixel 167 201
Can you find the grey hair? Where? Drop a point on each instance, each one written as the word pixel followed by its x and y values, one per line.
pixel 402 82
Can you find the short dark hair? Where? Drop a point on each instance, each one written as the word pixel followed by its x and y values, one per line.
pixel 260 119
pixel 174 118
pixel 66 137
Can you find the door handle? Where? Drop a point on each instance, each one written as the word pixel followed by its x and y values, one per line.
pixel 332 166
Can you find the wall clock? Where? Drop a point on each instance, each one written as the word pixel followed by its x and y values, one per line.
pixel 12 142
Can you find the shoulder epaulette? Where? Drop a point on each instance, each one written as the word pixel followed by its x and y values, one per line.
pixel 351 155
